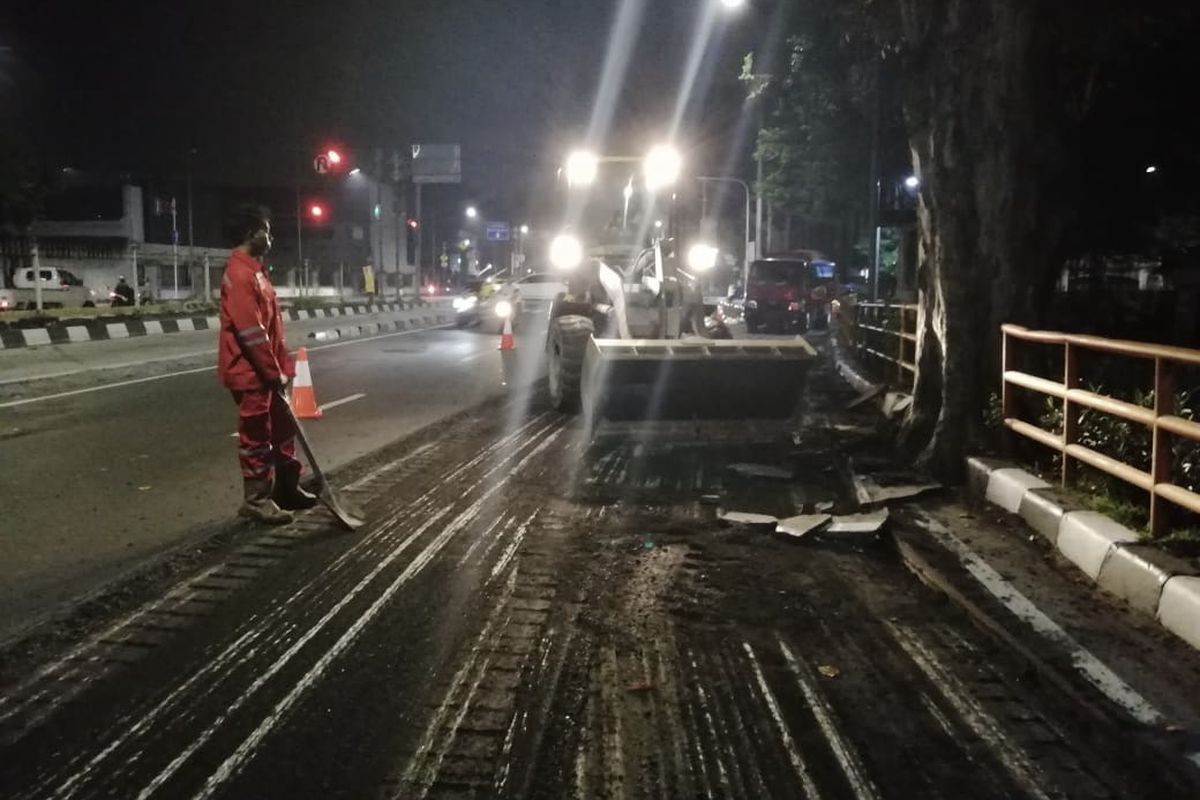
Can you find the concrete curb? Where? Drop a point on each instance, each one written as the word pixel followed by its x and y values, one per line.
pixel 1107 552
pixel 407 322
pixel 99 330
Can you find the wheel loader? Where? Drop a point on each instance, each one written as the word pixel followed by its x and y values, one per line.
pixel 631 338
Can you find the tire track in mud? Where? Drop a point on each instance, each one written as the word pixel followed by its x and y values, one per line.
pixel 119 758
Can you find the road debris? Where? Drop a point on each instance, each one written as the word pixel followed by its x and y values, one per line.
pixel 870 522
pixel 884 486
pixel 746 518
pixel 761 471
pixel 828 670
pixel 866 397
pixel 796 527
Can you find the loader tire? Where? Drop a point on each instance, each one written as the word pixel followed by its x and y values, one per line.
pixel 569 335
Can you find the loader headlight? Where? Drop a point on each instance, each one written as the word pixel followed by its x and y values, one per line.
pixel 566 252
pixel 504 309
pixel 465 303
pixel 702 257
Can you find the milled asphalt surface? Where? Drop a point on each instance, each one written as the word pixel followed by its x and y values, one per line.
pixel 531 615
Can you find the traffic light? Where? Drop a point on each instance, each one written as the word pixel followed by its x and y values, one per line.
pixel 317 212
pixel 410 227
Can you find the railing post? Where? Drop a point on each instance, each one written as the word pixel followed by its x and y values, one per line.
pixel 1161 457
pixel 1070 432
pixel 1007 437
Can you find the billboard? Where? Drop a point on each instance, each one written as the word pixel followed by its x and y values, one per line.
pixel 436 163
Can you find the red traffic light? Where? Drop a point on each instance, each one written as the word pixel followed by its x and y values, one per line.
pixel 334 157
pixel 316 211
pixel 412 223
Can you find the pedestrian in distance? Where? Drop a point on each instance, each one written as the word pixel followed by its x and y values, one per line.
pixel 254 364
pixel 122 293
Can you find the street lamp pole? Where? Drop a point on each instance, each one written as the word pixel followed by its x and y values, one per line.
pixel 746 236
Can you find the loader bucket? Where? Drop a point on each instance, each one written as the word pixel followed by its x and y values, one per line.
pixel 694 379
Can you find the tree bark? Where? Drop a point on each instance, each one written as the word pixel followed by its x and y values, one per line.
pixel 979 97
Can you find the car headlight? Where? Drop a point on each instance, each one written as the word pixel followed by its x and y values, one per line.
pixel 702 257
pixel 465 303
pixel 566 252
pixel 504 309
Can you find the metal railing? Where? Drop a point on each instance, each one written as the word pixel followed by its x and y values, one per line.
pixel 886 334
pixel 1161 420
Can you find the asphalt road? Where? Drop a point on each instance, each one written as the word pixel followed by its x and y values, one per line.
pixel 95 482
pixel 528 615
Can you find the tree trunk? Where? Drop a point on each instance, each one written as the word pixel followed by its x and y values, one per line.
pixel 985 138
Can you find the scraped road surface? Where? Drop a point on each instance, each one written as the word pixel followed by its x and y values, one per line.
pixel 528 616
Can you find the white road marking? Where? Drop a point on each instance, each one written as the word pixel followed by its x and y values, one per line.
pixel 208 351
pixel 969 710
pixel 119 384
pixel 343 401
pixel 847 756
pixel 789 744
pixel 233 763
pixel 1093 669
pixel 146 719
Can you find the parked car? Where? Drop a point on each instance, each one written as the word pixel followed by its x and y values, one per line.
pixel 60 289
pixel 788 293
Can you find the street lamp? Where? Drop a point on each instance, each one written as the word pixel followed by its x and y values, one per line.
pixel 733 5
pixel 912 182
pixel 524 230
pixel 581 168
pixel 662 166
pixel 472 212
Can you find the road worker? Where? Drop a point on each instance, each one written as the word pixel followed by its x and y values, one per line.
pixel 254 364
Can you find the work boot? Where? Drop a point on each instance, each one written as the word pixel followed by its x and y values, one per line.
pixel 291 496
pixel 259 505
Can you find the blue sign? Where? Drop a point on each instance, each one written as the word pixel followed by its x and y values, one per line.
pixel 497 231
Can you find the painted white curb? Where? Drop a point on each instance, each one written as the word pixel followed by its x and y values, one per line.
pixel 1086 537
pixel 1006 487
pixel 1179 608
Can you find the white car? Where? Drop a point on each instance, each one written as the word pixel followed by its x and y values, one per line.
pixel 539 289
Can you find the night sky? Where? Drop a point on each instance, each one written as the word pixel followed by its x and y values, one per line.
pixel 130 86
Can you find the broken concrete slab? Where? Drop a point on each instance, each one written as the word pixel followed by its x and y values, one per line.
pixel 746 518
pixel 795 527
pixel 866 397
pixel 870 522
pixel 883 487
pixel 761 471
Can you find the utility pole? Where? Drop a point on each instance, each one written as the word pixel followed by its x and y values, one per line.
pixel 191 239
pixel 299 230
pixel 420 233
pixel 207 280
pixel 137 291
pixel 175 245
pixel 37 276
pixel 873 209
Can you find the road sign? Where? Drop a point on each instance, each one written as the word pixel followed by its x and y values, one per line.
pixel 436 163
pixel 321 163
pixel 497 231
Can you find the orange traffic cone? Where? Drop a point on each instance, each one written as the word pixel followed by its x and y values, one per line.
pixel 304 399
pixel 506 336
